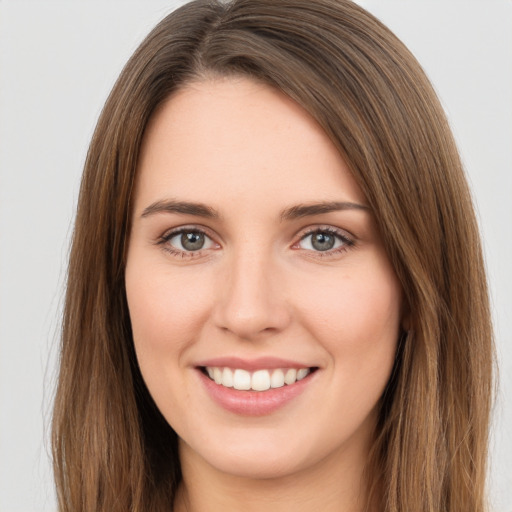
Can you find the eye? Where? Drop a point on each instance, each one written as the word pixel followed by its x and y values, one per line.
pixel 186 240
pixel 324 240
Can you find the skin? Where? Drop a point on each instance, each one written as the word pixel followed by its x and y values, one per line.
pixel 259 288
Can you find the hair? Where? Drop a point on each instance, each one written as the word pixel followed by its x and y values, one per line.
pixel 113 450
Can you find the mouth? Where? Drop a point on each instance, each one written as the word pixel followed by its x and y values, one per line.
pixel 255 387
pixel 258 380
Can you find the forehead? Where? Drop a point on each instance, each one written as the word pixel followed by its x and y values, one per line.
pixel 225 139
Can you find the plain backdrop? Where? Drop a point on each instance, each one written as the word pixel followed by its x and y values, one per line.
pixel 58 61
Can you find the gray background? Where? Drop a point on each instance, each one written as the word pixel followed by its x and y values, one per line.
pixel 58 61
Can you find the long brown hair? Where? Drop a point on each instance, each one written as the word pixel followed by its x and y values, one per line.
pixel 113 451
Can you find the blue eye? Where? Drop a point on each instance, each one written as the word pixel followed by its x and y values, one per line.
pixel 323 240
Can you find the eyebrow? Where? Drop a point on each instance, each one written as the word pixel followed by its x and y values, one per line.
pixel 306 210
pixel 294 212
pixel 183 207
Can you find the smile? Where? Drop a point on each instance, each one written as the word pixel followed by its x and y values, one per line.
pixel 259 380
pixel 255 388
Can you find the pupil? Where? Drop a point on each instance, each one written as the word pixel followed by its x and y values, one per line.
pixel 323 241
pixel 192 241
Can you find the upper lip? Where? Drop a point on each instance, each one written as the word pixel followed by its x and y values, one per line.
pixel 252 364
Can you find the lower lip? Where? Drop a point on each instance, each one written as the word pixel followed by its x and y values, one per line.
pixel 254 403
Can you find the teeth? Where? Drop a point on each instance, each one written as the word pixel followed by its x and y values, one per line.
pixel 302 373
pixel 241 380
pixel 290 376
pixel 277 379
pixel 217 375
pixel 260 380
pixel 227 378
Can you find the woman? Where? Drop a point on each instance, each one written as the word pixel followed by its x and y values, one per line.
pixel 276 295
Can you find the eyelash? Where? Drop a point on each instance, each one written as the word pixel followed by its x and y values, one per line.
pixel 164 240
pixel 347 242
pixel 169 235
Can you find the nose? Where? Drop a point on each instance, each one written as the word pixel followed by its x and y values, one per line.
pixel 252 298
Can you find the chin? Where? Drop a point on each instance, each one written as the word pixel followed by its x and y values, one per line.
pixel 263 465
pixel 263 454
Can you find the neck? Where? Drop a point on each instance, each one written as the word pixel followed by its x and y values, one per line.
pixel 333 485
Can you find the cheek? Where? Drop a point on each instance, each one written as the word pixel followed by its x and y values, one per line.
pixel 167 311
pixel 161 302
pixel 351 306
pixel 356 317
pixel 358 325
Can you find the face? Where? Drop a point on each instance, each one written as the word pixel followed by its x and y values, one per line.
pixel 265 312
